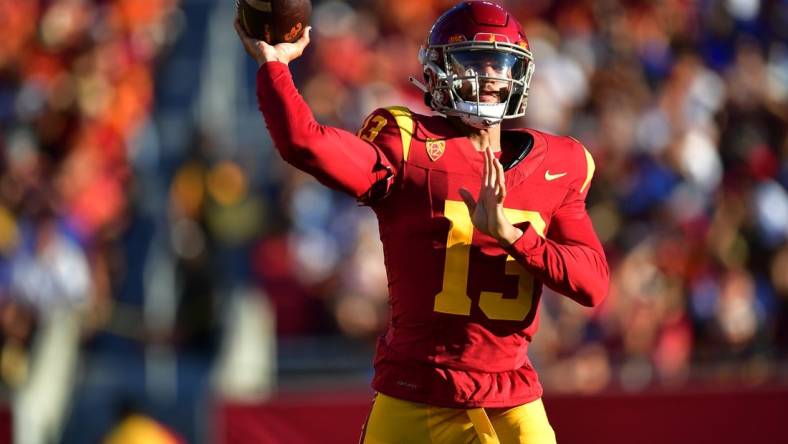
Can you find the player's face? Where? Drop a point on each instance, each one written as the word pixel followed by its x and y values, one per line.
pixel 494 70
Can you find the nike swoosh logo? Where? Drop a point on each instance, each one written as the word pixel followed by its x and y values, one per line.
pixel 550 177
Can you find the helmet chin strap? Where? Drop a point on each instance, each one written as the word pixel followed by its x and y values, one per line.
pixel 479 122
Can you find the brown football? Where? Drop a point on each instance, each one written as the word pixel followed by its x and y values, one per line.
pixel 275 21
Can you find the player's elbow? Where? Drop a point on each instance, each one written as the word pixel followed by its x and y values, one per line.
pixel 593 297
pixel 297 149
pixel 292 153
pixel 597 288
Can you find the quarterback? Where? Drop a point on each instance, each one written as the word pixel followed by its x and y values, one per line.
pixel 474 221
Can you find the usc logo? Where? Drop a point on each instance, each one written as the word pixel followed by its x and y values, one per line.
pixel 435 148
pixel 294 31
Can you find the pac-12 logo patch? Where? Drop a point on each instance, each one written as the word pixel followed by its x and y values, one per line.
pixel 435 148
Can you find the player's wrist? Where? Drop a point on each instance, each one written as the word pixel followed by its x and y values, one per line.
pixel 269 56
pixel 508 235
pixel 262 61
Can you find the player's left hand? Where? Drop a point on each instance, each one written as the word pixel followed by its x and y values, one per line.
pixel 486 210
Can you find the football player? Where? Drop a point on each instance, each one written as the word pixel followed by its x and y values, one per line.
pixel 474 221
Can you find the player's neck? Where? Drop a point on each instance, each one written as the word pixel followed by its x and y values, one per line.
pixel 482 138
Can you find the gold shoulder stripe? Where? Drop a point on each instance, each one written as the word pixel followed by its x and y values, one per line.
pixel 404 120
pixel 590 167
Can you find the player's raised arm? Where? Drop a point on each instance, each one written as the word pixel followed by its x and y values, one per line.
pixel 337 158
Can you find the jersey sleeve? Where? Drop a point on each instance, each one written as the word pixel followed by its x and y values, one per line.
pixel 389 132
pixel 569 259
pixel 362 165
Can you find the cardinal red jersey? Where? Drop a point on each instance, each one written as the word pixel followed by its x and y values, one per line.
pixel 462 308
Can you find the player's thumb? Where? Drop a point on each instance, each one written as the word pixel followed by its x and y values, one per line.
pixel 305 38
pixel 467 197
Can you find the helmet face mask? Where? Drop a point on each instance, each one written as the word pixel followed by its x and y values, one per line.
pixel 482 72
pixel 477 72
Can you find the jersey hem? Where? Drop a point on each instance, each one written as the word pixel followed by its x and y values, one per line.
pixel 457 404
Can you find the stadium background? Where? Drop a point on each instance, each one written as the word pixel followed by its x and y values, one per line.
pixel 163 274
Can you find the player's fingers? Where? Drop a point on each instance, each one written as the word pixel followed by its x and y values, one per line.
pixel 485 170
pixel 501 181
pixel 242 32
pixel 493 177
pixel 239 29
pixel 467 197
pixel 249 43
pixel 304 40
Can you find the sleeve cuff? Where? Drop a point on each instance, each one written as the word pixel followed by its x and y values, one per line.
pixel 270 72
pixel 529 244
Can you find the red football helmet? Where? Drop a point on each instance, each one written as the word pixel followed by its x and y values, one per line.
pixel 477 64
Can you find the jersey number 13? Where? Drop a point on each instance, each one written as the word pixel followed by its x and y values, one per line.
pixel 453 298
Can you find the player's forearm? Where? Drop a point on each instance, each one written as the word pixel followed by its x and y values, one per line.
pixel 289 120
pixel 333 156
pixel 577 270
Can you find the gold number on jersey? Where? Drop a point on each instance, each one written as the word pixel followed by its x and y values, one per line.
pixel 372 128
pixel 453 298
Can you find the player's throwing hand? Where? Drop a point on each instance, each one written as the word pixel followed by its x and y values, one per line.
pixel 486 211
pixel 262 52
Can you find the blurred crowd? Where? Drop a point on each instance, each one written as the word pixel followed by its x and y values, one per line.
pixel 76 85
pixel 684 106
